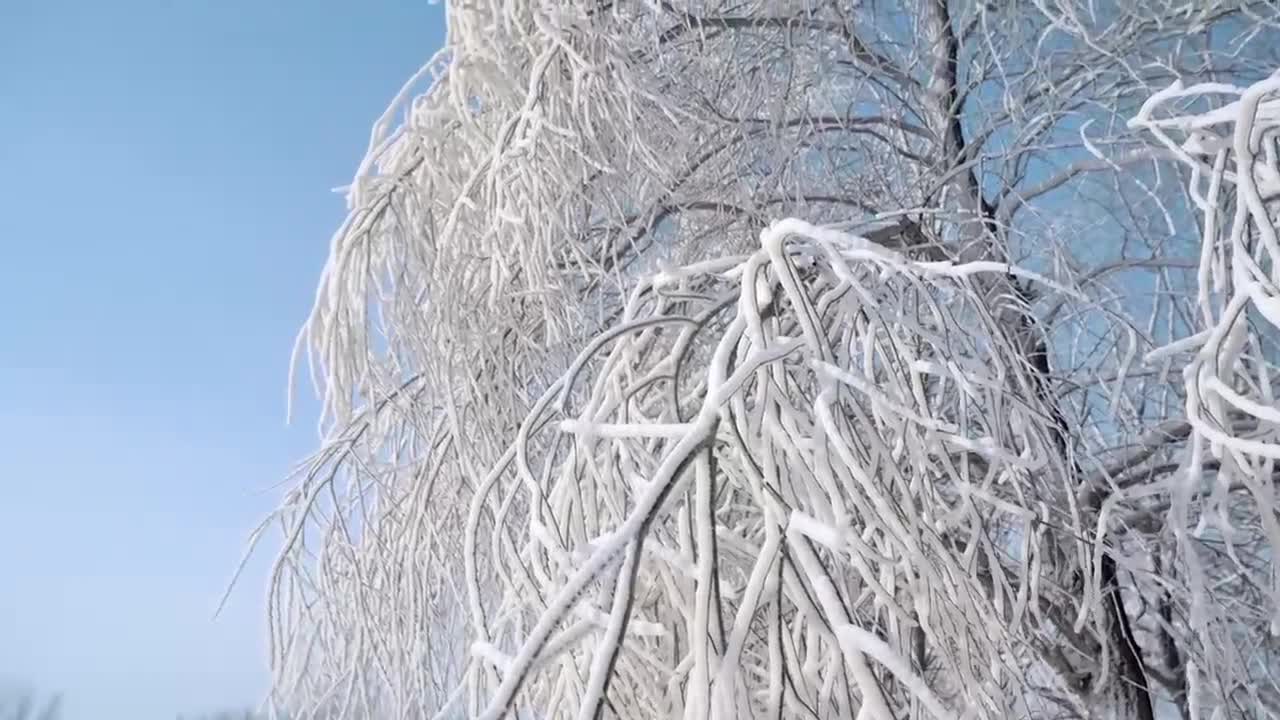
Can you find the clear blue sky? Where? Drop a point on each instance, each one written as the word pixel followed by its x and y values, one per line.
pixel 164 213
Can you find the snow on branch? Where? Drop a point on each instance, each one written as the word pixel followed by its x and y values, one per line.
pixel 689 454
pixel 1233 150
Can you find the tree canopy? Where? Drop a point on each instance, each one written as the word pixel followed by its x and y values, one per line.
pixel 765 358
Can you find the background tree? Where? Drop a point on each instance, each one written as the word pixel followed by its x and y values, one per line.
pixel 24 704
pixel 593 417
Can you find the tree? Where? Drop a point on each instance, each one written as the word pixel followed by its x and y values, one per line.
pixel 988 432
pixel 23 704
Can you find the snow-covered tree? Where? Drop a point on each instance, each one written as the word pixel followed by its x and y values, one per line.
pixel 765 358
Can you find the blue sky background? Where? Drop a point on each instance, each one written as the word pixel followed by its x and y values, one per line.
pixel 164 213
